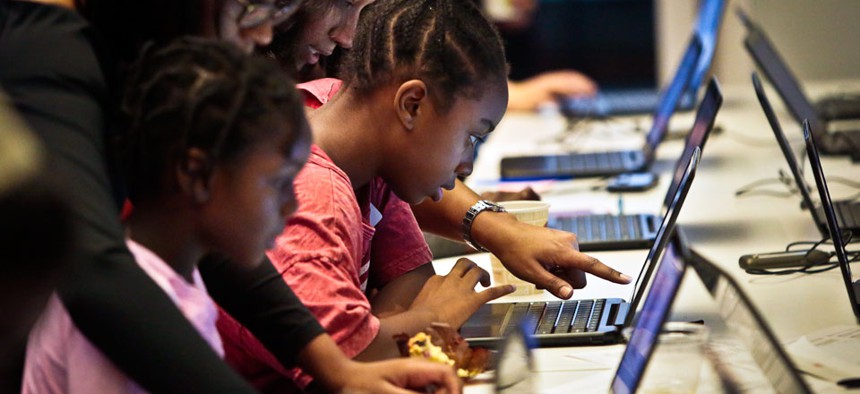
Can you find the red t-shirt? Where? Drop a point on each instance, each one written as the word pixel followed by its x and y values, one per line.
pixel 335 247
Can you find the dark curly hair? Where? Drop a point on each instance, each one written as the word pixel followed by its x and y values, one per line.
pixel 448 44
pixel 204 94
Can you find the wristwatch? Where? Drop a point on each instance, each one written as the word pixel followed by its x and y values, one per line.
pixel 474 211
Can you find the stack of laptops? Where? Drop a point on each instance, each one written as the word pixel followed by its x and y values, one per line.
pixel 774 67
pixel 848 212
pixel 642 101
pixel 611 162
pixel 578 322
pixel 852 282
pixel 637 231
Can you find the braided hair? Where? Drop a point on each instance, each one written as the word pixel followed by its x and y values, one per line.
pixel 205 94
pixel 448 44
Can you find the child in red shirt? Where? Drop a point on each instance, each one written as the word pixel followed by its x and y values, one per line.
pixel 424 82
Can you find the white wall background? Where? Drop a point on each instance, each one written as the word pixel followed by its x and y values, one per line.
pixel 819 39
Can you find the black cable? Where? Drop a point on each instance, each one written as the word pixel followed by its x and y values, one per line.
pixel 753 188
pixel 811 268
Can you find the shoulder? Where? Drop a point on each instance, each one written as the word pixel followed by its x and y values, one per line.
pixel 321 181
pixel 318 92
pixel 44 40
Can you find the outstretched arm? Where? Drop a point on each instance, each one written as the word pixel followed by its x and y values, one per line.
pixel 548 258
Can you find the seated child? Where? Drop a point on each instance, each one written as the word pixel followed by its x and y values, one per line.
pixel 215 140
pixel 424 82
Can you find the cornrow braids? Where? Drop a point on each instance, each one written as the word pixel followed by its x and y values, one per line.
pixel 449 44
pixel 200 93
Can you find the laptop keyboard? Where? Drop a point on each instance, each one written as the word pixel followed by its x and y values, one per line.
pixel 558 317
pixel 848 214
pixel 596 162
pixel 615 102
pixel 590 228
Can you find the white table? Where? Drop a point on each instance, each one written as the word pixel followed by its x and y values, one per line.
pixel 719 225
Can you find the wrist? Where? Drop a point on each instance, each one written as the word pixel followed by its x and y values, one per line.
pixel 324 360
pixel 479 210
pixel 491 230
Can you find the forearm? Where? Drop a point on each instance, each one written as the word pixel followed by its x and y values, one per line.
pixel 260 300
pixel 445 218
pixel 383 345
pixel 397 296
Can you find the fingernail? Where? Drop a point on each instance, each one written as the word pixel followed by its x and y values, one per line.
pixel 512 288
pixel 566 292
pixel 626 278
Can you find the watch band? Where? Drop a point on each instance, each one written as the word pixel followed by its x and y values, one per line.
pixel 471 214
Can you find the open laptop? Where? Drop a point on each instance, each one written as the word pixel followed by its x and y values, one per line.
pixel 774 67
pixel 649 322
pixel 735 308
pixel 848 212
pixel 611 162
pixel 577 322
pixel 852 281
pixel 637 231
pixel 642 101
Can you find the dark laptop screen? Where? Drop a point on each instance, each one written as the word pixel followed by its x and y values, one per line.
pixel 852 283
pixel 793 165
pixel 698 136
pixel 774 67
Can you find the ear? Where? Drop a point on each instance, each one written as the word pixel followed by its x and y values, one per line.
pixel 194 175
pixel 408 101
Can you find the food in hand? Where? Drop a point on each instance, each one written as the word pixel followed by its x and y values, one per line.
pixel 442 344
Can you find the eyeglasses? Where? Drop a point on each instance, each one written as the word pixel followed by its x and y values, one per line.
pixel 256 14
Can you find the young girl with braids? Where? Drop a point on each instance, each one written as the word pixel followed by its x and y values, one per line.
pixel 215 141
pixel 424 82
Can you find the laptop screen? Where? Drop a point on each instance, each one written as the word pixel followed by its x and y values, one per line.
pixel 698 136
pixel 644 336
pixel 708 29
pixel 802 186
pixel 662 237
pixel 748 326
pixel 852 282
pixel 670 97
pixel 774 67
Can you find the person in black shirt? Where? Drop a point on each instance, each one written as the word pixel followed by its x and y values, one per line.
pixel 60 74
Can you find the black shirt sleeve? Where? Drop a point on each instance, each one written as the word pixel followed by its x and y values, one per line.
pixel 52 70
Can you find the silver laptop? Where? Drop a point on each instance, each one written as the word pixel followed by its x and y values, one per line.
pixel 848 212
pixel 776 70
pixel 852 281
pixel 637 231
pixel 577 322
pixel 611 162
pixel 642 101
pixel 742 318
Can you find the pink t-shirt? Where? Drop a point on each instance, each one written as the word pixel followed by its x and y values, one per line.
pixel 61 360
pixel 333 249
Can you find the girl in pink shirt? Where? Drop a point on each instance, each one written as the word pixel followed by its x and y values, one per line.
pixel 215 139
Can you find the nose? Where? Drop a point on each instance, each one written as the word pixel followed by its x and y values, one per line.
pixel 259 35
pixel 467 162
pixel 465 168
pixel 344 33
